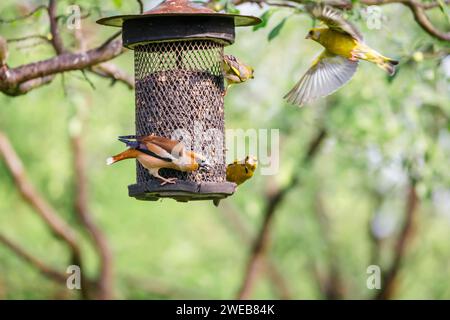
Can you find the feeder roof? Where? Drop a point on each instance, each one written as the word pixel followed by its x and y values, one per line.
pixel 180 8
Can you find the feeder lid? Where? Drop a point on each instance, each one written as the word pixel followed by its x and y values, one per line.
pixel 171 8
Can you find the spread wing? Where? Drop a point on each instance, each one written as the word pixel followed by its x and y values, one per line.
pixel 335 21
pixel 328 73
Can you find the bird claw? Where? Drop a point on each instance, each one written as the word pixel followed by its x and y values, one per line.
pixel 169 181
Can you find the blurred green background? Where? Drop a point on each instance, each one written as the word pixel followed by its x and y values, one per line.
pixel 381 133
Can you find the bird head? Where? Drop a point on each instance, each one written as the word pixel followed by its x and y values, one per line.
pixel 314 34
pixel 233 65
pixel 251 162
pixel 203 164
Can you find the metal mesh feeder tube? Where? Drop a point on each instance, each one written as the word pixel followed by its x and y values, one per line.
pixel 178 52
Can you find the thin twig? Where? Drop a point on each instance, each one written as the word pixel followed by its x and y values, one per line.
pixel 46 270
pixel 111 71
pixel 30 195
pixel 32 12
pixel 56 39
pixel 85 77
pixel 422 19
pixel 25 38
pixel 417 7
pixel 112 38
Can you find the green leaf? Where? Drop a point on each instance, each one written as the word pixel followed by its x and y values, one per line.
pixel 264 19
pixel 276 31
pixel 231 8
pixel 444 9
pixel 38 13
pixel 117 3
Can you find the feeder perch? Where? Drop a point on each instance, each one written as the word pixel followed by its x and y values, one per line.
pixel 178 51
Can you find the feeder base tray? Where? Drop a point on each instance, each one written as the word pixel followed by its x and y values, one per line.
pixel 182 191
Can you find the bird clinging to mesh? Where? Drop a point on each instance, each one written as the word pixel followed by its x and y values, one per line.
pixel 154 153
pixel 240 171
pixel 335 66
pixel 234 71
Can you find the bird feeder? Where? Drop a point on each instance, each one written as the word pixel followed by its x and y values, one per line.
pixel 178 52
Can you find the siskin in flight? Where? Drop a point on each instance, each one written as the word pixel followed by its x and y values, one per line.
pixel 234 71
pixel 154 153
pixel 335 66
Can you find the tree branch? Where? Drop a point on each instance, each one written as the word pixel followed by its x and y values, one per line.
pixel 29 85
pixel 331 285
pixel 25 38
pixel 111 71
pixel 47 271
pixel 56 39
pixel 389 283
pixel 273 201
pixel 275 275
pixel 105 277
pixel 417 7
pixel 11 79
pixel 32 12
pixel 30 195
pixel 422 19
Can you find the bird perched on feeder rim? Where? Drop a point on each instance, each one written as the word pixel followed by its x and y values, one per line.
pixel 240 171
pixel 336 65
pixel 154 153
pixel 234 71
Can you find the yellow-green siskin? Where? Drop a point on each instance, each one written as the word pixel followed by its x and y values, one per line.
pixel 234 71
pixel 240 171
pixel 336 65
